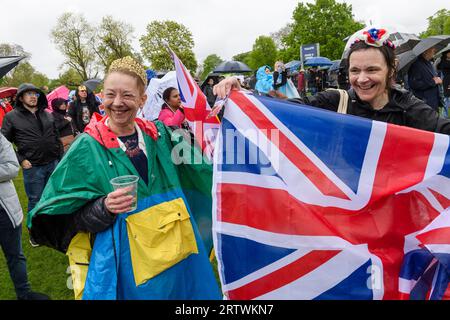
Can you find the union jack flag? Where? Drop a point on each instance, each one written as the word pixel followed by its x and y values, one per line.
pixel 311 204
pixel 196 108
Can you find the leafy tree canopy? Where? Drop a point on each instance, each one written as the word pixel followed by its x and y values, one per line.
pixel 112 40
pixel 326 22
pixel 73 38
pixel 209 64
pixel 25 73
pixel 264 53
pixel 438 24
pixel 177 36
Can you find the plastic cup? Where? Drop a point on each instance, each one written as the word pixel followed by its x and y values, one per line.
pixel 130 182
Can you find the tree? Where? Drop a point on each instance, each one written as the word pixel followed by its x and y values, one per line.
pixel 326 22
pixel 264 53
pixel 177 36
pixel 112 40
pixel 7 49
pixel 73 38
pixel 25 73
pixel 438 24
pixel 69 78
pixel 209 64
pixel 280 34
pixel 242 57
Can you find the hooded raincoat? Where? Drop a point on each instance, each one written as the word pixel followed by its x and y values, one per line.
pixel 264 81
pixel 34 134
pixel 154 252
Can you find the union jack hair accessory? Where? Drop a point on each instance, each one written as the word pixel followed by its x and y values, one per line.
pixel 375 38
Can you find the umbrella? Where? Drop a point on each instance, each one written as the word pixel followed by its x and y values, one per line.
pixel 92 84
pixel 8 63
pixel 294 64
pixel 335 66
pixel 7 92
pixel 407 58
pixel 447 48
pixel 439 42
pixel 232 67
pixel 318 62
pixel 60 92
pixel 406 46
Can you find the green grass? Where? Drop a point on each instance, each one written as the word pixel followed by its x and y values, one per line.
pixel 47 268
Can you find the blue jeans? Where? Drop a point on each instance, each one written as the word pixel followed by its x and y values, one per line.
pixel 11 244
pixel 35 180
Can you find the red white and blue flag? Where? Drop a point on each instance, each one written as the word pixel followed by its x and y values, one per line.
pixel 311 204
pixel 196 108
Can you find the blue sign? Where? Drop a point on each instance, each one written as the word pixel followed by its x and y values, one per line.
pixel 309 51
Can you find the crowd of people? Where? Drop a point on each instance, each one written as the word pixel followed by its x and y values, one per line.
pixel 54 149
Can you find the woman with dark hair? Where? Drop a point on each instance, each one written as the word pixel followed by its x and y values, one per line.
pixel 372 70
pixel 172 113
pixel 63 122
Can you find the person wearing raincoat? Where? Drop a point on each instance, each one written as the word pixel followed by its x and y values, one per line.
pixel 264 80
pixel 153 252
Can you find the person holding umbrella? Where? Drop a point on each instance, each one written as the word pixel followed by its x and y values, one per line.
pixel 423 79
pixel 372 67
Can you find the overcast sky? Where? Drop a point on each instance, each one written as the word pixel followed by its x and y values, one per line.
pixel 223 27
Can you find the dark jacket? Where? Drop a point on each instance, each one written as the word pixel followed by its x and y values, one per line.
pixel 76 110
pixel 421 83
pixel 63 125
pixel 92 218
pixel 276 84
pixel 403 109
pixel 444 66
pixel 208 91
pixel 35 135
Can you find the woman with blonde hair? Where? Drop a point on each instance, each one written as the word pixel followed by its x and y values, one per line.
pixel 137 242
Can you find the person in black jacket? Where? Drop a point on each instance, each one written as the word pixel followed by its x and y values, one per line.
pixel 83 107
pixel 372 68
pixel 444 67
pixel 423 79
pixel 63 122
pixel 33 131
pixel 208 92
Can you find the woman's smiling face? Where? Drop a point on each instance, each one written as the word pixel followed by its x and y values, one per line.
pixel 122 99
pixel 368 74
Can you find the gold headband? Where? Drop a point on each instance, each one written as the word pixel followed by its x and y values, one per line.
pixel 131 65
